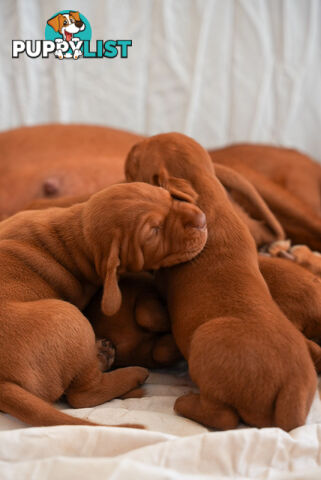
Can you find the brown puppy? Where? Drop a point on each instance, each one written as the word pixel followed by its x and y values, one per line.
pixel 52 262
pixel 248 360
pixel 297 291
pixel 140 330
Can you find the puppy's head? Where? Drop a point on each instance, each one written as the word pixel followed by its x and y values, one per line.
pixel 136 226
pixel 167 158
pixel 67 24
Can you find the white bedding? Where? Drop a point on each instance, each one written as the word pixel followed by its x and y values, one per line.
pixel 172 448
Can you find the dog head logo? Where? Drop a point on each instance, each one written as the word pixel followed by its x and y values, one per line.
pixel 68 28
pixel 67 24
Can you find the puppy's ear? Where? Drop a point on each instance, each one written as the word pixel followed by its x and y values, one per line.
pixel 246 196
pixel 111 300
pixel 136 257
pixel 131 166
pixel 179 188
pixel 75 15
pixel 54 22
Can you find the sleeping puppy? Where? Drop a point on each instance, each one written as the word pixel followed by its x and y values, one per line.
pixel 297 291
pixel 52 263
pixel 140 330
pixel 246 357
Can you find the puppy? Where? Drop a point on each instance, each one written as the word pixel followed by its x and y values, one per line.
pixel 67 24
pixel 52 263
pixel 297 291
pixel 246 357
pixel 140 330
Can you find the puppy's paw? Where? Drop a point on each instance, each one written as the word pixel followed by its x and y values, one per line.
pixel 105 354
pixel 308 259
pixel 135 393
pixel 140 374
pixel 77 54
pixel 59 54
pixel 280 248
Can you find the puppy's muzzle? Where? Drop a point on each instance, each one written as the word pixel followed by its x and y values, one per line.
pixel 79 24
pixel 196 219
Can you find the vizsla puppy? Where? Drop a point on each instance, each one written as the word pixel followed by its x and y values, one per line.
pixel 247 358
pixel 298 293
pixel 52 263
pixel 140 330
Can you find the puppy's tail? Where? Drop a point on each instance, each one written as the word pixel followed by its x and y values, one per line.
pixel 300 223
pixel 233 181
pixel 34 411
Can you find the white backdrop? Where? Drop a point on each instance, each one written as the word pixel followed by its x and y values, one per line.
pixel 219 70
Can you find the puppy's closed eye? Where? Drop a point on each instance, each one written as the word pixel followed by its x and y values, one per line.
pixel 179 198
pixel 154 231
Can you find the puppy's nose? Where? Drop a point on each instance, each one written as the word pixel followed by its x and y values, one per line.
pixel 197 220
pixel 79 23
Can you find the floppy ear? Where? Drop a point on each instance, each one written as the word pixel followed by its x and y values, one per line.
pixel 179 188
pixel 75 15
pixel 246 196
pixel 111 300
pixel 54 22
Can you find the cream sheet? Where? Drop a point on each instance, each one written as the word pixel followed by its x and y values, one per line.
pixel 172 448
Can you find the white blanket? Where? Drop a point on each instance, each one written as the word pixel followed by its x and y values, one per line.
pixel 172 448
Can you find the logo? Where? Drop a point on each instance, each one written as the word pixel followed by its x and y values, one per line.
pixel 68 35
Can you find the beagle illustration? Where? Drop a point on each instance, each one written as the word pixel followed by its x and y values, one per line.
pixel 67 24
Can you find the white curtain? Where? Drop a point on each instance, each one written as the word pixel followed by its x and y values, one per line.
pixel 221 71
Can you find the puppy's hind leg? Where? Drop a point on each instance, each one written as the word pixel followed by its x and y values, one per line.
pixel 92 387
pixel 315 352
pixel 213 414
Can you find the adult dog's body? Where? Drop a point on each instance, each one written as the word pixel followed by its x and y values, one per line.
pixel 246 357
pixel 64 160
pixel 52 262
